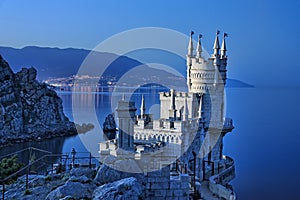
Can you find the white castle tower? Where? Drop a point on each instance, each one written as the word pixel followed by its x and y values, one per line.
pixel 126 115
pixel 189 133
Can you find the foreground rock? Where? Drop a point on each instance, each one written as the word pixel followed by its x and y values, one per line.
pixel 39 187
pixel 78 184
pixel 29 110
pixel 75 187
pixel 128 188
pixel 107 174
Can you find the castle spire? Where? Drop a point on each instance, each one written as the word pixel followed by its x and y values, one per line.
pixel 199 46
pixel 191 46
pixel 143 108
pixel 216 44
pixel 223 48
pixel 185 111
pixel 172 110
pixel 172 105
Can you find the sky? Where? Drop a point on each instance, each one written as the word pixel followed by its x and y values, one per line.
pixel 263 42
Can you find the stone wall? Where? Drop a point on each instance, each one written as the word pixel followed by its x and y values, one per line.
pixel 221 191
pixel 160 186
pixel 217 182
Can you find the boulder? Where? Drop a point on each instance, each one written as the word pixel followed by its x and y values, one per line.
pixel 82 179
pixel 107 174
pixel 76 190
pixel 128 188
pixel 33 180
pixel 89 173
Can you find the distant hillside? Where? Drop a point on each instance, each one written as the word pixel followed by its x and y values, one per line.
pixel 54 63
pixel 49 62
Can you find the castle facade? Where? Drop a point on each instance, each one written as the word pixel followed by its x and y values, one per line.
pixel 182 151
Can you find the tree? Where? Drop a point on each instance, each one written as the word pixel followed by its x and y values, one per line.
pixel 8 166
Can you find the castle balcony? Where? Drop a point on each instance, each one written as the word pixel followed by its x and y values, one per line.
pixel 228 125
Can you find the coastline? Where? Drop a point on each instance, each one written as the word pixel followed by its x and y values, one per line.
pixel 39 135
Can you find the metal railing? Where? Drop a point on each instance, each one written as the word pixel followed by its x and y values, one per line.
pixel 217 182
pixel 49 163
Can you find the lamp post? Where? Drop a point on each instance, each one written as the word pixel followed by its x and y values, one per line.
pixel 73 153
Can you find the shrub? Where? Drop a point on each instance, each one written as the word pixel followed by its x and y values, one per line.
pixel 48 178
pixel 9 166
pixel 27 192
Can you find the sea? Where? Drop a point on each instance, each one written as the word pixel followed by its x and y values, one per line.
pixel 265 143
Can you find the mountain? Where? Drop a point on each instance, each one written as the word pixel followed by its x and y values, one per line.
pixel 55 63
pixel 49 62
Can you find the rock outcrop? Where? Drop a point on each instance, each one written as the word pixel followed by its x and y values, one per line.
pixel 110 127
pixel 29 109
pixel 75 187
pixel 107 174
pixel 128 188
pixel 77 184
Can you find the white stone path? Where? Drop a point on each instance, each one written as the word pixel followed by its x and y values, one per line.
pixel 206 193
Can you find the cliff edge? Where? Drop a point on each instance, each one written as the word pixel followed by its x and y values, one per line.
pixel 29 110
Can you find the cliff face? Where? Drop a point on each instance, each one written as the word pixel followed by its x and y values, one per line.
pixel 29 109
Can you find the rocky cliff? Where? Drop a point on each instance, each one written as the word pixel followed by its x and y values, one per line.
pixel 29 109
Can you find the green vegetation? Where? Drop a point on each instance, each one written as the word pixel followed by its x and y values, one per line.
pixel 27 192
pixel 48 178
pixel 8 166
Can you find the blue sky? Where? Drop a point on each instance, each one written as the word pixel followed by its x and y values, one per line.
pixel 263 38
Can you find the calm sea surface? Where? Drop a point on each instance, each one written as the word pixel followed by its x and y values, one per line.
pixel 265 143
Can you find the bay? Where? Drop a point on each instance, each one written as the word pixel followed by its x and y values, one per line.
pixel 265 143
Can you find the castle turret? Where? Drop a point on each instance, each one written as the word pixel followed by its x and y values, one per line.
pixel 223 61
pixel 217 45
pixel 199 47
pixel 126 115
pixel 216 54
pixel 190 50
pixel 172 110
pixel 223 48
pixel 143 108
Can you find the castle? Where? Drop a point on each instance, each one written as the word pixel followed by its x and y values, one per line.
pixel 181 152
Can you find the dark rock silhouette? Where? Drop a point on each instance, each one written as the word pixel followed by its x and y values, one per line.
pixel 109 127
pixel 29 110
